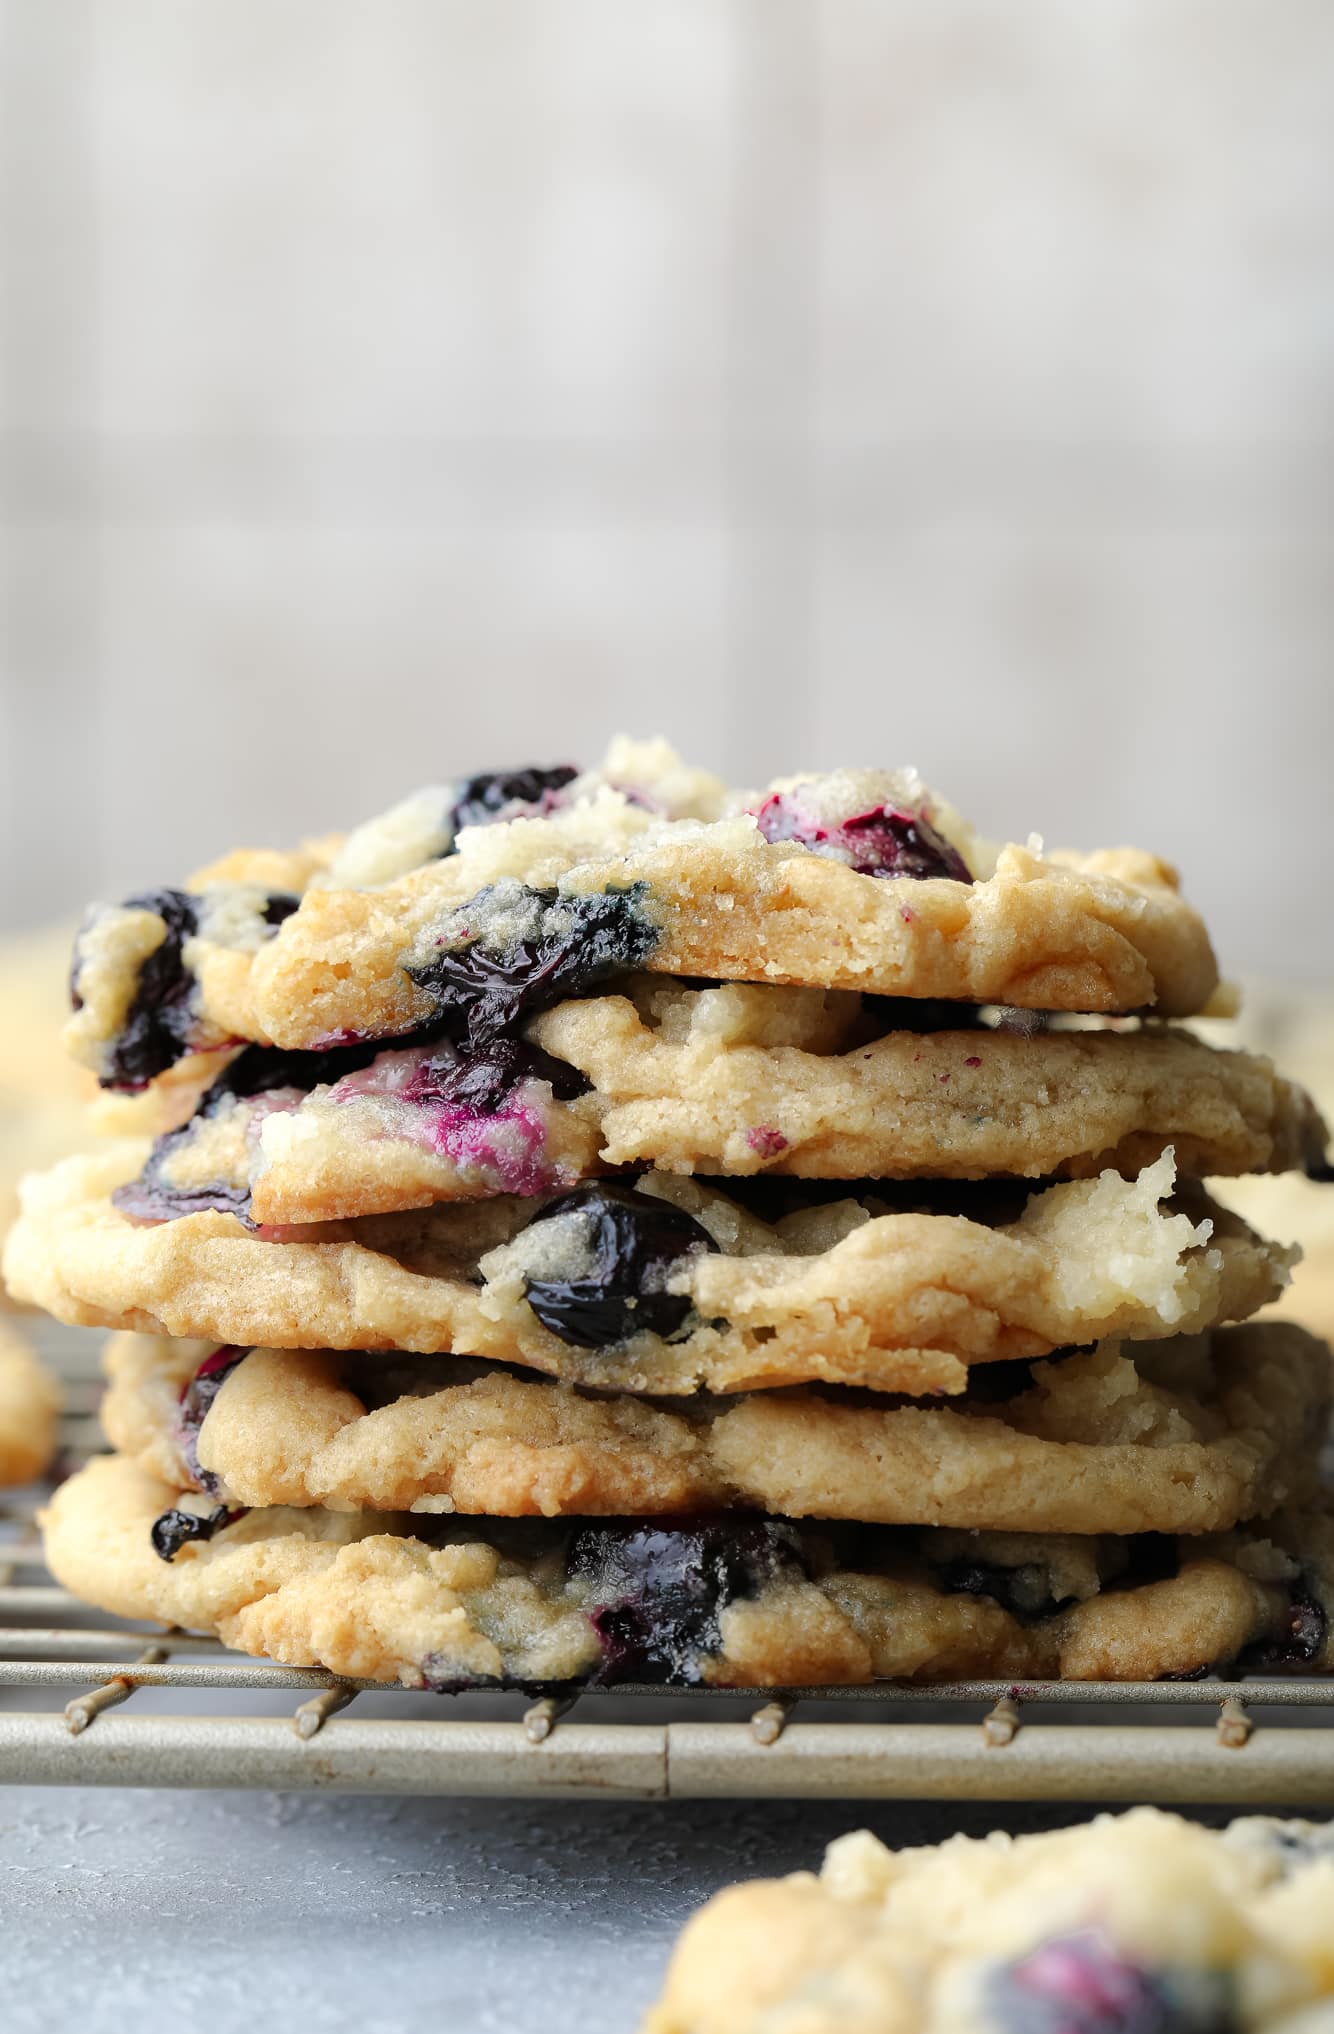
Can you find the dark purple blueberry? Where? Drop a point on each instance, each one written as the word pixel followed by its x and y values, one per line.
pixel 196 1399
pixel 172 1530
pixel 656 1592
pixel 483 1079
pixel 1302 1640
pixel 158 1022
pixel 1023 1591
pixel 159 1026
pixel 490 795
pixel 1078 1984
pixel 632 1244
pixel 581 943
pixel 1321 1170
pixel 881 842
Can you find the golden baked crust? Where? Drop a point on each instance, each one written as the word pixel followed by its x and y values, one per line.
pixel 1195 1434
pixel 833 1293
pixel 450 1603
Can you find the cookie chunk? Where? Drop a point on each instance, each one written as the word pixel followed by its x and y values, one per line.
pixel 732 1081
pixel 666 1286
pixel 29 1405
pixel 1191 1436
pixel 1142 1923
pixel 166 974
pixel 716 1600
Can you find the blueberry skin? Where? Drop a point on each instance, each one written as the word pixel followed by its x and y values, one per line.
pixel 485 797
pixel 1078 1984
pixel 658 1591
pixel 881 842
pixel 480 994
pixel 483 1080
pixel 172 1530
pixel 634 1243
pixel 1302 1642
pixel 159 1024
pixel 196 1400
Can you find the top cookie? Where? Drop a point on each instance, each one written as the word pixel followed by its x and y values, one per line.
pixel 858 880
pixel 1139 1922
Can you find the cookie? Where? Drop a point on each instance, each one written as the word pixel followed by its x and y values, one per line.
pixel 734 1080
pixel 526 912
pixel 166 973
pixel 667 1286
pixel 29 1406
pixel 1191 1436
pixel 1141 1923
pixel 738 1602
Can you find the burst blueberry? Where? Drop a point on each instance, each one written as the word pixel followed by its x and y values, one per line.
pixel 884 841
pixel 630 1245
pixel 504 794
pixel 655 1594
pixel 174 1529
pixel 567 946
pixel 1079 1984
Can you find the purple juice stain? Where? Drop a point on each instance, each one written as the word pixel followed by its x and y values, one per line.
pixel 884 841
pixel 1078 1984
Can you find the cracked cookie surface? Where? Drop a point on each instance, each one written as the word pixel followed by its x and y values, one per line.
pixel 723 1601
pixel 1192 1435
pixel 668 1287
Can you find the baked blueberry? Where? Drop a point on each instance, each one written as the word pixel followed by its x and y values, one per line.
pixel 483 1079
pixel 196 1399
pixel 884 841
pixel 174 1529
pixel 514 950
pixel 1302 1640
pixel 1079 1984
pixel 493 794
pixel 656 1593
pixel 621 1247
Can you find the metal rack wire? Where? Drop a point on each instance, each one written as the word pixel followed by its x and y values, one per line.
pixel 1271 1742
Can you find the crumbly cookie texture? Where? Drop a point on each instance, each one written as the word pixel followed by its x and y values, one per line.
pixel 667 1287
pixel 743 1602
pixel 29 1406
pixel 1193 1435
pixel 166 974
pixel 733 1081
pixel 1141 1922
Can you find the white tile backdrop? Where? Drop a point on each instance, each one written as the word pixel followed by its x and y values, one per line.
pixel 394 386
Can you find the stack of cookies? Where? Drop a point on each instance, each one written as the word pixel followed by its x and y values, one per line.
pixel 603 1228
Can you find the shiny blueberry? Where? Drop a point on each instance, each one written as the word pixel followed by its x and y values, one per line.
pixel 630 1245
pixel 483 1079
pixel 656 1592
pixel 579 942
pixel 881 842
pixel 174 1529
pixel 1078 1984
pixel 490 795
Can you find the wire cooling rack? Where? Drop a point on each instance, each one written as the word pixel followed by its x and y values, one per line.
pixel 1247 1743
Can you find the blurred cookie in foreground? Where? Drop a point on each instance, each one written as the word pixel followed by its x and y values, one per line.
pixel 1134 1924
pixel 29 1406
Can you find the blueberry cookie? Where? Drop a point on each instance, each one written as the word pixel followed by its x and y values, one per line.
pixel 1196 1433
pixel 666 1285
pixel 29 1405
pixel 167 973
pixel 526 912
pixel 733 1080
pixel 1134 1924
pixel 733 1601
